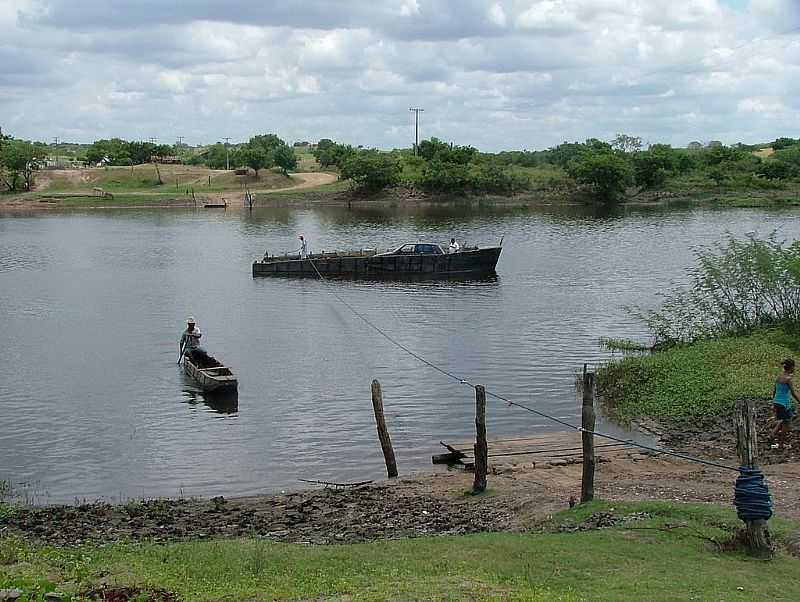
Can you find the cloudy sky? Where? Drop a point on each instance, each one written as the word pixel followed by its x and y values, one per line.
pixel 496 74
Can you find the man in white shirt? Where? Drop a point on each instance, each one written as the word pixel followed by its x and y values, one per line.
pixel 303 247
pixel 454 246
pixel 190 344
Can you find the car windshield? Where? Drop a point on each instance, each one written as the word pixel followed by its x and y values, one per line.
pixel 419 249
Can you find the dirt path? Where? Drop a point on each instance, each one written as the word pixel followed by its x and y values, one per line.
pixel 309 179
pixel 234 197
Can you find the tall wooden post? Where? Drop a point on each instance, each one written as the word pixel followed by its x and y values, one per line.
pixel 587 422
pixel 383 433
pixel 481 448
pixel 756 531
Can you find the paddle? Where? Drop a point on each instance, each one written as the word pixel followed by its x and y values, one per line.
pixel 181 355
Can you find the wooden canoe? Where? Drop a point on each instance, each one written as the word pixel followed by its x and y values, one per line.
pixel 214 378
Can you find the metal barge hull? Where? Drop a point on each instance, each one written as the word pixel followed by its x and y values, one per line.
pixel 473 262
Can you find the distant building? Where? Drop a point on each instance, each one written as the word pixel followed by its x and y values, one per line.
pixel 695 145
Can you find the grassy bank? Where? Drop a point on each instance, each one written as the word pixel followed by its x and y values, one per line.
pixel 692 381
pixel 655 551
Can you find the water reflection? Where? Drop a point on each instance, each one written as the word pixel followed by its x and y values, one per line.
pixel 221 402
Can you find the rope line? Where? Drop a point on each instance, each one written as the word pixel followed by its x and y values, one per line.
pixel 751 496
pixel 511 403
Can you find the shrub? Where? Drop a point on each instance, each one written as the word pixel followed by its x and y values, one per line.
pixel 371 170
pixel 736 287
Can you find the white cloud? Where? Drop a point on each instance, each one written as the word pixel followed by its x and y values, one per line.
pixel 538 71
pixel 497 15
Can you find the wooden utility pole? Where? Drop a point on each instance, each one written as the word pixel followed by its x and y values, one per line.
pixel 383 433
pixel 756 531
pixel 481 448
pixel 416 112
pixel 227 156
pixel 587 436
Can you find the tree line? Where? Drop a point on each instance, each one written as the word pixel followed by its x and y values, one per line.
pixel 605 170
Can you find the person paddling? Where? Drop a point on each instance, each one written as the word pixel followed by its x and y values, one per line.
pixel 782 403
pixel 190 344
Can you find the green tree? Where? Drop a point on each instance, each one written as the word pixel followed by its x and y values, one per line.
pixel 371 170
pixel 449 153
pixel 254 157
pixel 115 151
pixel 323 152
pixel 284 157
pixel 268 143
pixel 442 176
pixel 777 170
pixel 330 154
pixel 17 164
pixel 784 142
pixel 651 167
pixel 605 171
pixel 627 144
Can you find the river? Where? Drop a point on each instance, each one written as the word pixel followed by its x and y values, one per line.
pixel 92 304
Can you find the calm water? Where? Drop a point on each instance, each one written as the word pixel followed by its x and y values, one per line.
pixel 92 304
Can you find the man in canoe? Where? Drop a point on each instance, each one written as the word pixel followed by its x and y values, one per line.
pixel 190 344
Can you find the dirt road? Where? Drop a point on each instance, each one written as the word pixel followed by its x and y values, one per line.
pixel 234 197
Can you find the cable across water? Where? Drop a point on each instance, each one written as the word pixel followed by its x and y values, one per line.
pixel 507 401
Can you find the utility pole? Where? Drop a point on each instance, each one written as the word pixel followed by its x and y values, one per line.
pixel 227 154
pixel 153 140
pixel 55 139
pixel 416 111
pixel 180 140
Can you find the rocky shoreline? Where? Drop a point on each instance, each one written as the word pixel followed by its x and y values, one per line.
pixel 366 513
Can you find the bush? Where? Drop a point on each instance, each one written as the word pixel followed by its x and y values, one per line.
pixel 608 172
pixel 371 170
pixel 777 170
pixel 652 166
pixel 735 288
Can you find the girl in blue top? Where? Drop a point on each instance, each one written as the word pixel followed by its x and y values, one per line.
pixel 782 402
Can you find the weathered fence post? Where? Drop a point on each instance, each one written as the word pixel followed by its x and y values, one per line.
pixel 481 449
pixel 383 434
pixel 587 422
pixel 756 531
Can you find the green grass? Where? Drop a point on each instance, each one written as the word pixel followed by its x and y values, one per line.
pixel 690 381
pixel 667 555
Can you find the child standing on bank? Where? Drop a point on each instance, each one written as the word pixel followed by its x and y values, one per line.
pixel 782 403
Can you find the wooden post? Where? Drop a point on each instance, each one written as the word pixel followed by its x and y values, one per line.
pixel 756 531
pixel 383 434
pixel 481 449
pixel 587 422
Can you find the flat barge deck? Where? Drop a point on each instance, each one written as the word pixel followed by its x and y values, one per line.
pixel 414 260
